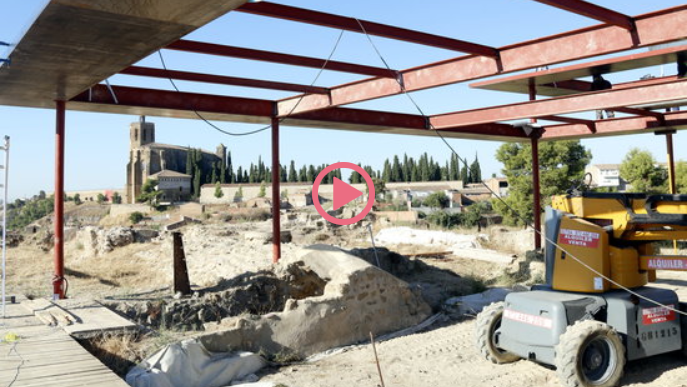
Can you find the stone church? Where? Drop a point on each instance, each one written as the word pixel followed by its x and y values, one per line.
pixel 147 158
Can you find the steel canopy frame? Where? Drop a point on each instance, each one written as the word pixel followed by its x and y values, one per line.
pixel 654 28
pixel 377 29
pixel 274 57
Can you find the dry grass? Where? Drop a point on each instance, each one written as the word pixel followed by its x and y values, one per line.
pixel 117 352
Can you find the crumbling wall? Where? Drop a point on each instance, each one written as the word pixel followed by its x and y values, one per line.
pixel 358 299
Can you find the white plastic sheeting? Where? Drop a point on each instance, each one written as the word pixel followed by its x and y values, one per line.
pixel 474 303
pixel 189 364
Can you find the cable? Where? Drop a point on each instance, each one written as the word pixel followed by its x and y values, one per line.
pixel 317 77
pixel 499 198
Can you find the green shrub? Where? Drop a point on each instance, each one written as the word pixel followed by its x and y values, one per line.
pixel 136 217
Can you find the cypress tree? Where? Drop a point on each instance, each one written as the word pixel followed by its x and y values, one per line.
pixel 252 174
pixel 214 178
pixel 406 168
pixel 386 175
pixel 311 173
pixel 396 170
pixel 189 161
pixel 303 174
pixel 475 171
pixel 197 183
pixel 239 176
pixel 455 167
pixel 464 175
pixel 293 176
pixel 230 170
pixel 282 173
pixel 223 170
pixel 268 175
pixel 260 170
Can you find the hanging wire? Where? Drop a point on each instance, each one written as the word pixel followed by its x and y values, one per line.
pixel 295 106
pixel 500 199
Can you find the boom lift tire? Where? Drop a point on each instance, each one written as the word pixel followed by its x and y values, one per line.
pixel 590 354
pixel 488 321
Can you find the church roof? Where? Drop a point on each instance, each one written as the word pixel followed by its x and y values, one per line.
pixel 157 145
pixel 169 173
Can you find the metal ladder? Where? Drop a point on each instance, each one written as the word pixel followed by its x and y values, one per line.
pixel 4 169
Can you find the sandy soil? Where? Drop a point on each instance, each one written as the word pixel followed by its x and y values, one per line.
pixel 445 356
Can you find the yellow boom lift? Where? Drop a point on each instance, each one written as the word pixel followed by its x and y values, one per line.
pixel 595 311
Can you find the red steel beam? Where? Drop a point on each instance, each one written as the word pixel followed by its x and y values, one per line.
pixel 616 127
pixel 166 101
pixel 171 103
pixel 654 28
pixel 639 112
pixel 351 24
pixel 163 99
pixel 567 120
pixel 602 100
pixel 58 281
pixel 274 57
pixel 536 193
pixel 593 11
pixel 222 80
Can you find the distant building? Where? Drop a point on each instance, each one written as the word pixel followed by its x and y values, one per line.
pixel 175 186
pixel 499 185
pixel 606 175
pixel 146 158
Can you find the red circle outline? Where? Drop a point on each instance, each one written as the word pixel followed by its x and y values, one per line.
pixel 370 196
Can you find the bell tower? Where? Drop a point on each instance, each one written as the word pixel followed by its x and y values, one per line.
pixel 141 133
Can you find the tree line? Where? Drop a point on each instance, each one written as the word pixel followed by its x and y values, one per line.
pixel 408 169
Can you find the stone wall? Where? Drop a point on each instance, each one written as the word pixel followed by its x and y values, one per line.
pixel 358 299
pixel 251 191
pixel 126 209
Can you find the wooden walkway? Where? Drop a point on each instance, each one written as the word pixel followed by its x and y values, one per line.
pixel 44 356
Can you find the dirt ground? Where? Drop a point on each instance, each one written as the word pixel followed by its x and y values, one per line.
pixel 444 355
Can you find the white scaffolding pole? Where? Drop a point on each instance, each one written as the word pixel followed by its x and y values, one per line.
pixel 6 149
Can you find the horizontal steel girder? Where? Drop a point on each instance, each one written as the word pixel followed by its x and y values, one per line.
pixel 222 80
pixel 607 100
pixel 616 127
pixel 651 29
pixel 593 11
pixel 274 57
pixel 352 24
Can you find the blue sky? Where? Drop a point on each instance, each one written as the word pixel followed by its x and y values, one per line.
pixel 97 144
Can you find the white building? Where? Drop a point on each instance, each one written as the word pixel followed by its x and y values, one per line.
pixel 606 175
pixel 175 186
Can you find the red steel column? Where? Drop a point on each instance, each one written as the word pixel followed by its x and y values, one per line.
pixel 536 190
pixel 276 194
pixel 58 281
pixel 671 164
pixel 536 193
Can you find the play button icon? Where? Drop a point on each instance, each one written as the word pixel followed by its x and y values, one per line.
pixel 343 193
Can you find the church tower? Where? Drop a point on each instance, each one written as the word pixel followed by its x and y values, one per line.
pixel 141 133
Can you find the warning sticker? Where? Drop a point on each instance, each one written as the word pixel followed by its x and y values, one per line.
pixel 537 321
pixel 658 315
pixel 579 238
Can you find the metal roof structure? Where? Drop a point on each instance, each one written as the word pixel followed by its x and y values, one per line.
pixel 75 45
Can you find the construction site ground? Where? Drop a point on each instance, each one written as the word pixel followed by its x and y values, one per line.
pixel 441 355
